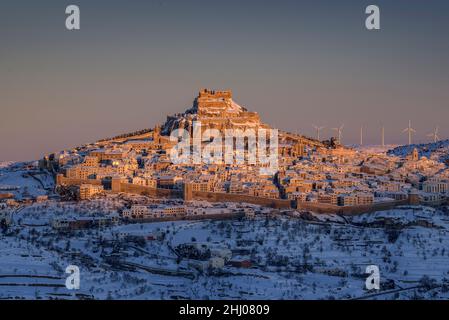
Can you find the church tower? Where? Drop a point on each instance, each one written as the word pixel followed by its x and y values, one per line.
pixel 188 192
pixel 157 134
pixel 415 155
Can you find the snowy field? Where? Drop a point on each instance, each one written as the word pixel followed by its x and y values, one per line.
pixel 24 183
pixel 4 164
pixel 291 258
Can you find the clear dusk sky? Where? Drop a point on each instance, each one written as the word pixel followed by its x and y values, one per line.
pixel 297 63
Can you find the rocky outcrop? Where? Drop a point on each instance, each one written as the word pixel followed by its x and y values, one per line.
pixel 214 110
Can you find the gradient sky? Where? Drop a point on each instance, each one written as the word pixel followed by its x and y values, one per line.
pixel 297 63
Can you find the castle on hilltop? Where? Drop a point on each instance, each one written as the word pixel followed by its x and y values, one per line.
pixel 210 102
pixel 215 110
pixel 213 94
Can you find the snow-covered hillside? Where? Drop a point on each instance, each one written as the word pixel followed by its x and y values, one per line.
pixel 438 151
pixel 23 180
pixel 291 258
pixel 5 164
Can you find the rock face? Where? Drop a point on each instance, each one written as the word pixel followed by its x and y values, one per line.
pixel 215 110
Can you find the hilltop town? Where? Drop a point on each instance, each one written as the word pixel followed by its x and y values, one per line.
pixel 135 219
pixel 321 176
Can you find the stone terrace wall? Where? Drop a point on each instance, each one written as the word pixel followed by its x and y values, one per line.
pixel 118 186
pixel 239 198
pixel 217 216
pixel 230 197
pixel 61 180
pixel 156 192
pixel 350 210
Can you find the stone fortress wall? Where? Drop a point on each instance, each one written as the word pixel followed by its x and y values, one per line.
pixel 324 208
pixel 189 195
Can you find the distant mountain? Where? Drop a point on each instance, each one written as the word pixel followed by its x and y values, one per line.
pixel 5 164
pixel 438 151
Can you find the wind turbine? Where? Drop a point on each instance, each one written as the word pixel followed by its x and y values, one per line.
pixel 338 131
pixel 434 135
pixel 318 130
pixel 361 135
pixel 410 131
pixel 383 136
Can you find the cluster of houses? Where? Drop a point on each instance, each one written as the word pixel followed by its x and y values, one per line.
pixel 12 201
pixel 308 170
pixel 339 176
pixel 354 178
pixel 148 212
pixel 141 212
pixel 152 168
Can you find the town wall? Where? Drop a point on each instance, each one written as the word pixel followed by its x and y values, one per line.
pixel 239 198
pixel 61 180
pixel 350 210
pixel 119 186
pixel 144 190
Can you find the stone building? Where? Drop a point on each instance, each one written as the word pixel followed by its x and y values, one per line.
pixel 87 191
